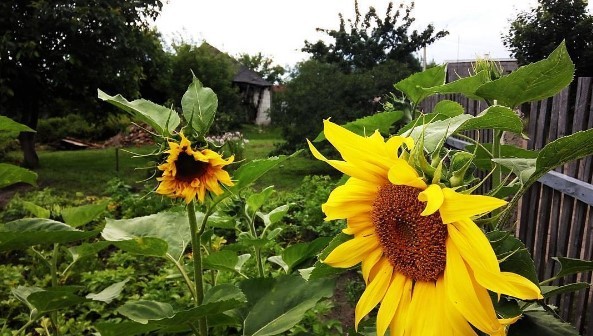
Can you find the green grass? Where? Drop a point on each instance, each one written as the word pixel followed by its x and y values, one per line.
pixel 88 171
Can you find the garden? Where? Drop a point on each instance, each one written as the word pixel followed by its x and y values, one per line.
pixel 165 212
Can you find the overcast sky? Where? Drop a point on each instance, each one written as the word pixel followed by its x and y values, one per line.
pixel 278 28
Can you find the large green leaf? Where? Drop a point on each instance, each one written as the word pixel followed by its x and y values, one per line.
pixel 36 210
pixel 296 254
pixel 570 266
pixel 87 249
pixel 563 150
pixel 414 87
pixel 11 174
pixel 142 311
pixel 366 126
pixel 541 323
pixel 171 227
pixel 285 305
pixel 163 120
pixel 251 172
pixel 532 82
pixel 9 125
pixel 81 215
pixel 108 294
pixel 515 257
pixel 483 159
pixel 146 246
pixel 54 299
pixel 448 107
pixel 467 86
pixel 255 201
pixel 521 167
pixel 126 328
pixel 225 261
pixel 321 270
pixel 550 291
pixel 274 216
pixel 27 232
pixel 199 106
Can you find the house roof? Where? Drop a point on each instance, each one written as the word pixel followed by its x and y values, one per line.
pixel 246 75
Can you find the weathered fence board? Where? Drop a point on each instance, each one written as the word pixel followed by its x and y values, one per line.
pixel 555 217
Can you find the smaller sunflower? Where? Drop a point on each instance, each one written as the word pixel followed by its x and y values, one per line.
pixel 187 173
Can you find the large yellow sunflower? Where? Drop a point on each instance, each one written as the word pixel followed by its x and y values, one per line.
pixel 423 258
pixel 187 173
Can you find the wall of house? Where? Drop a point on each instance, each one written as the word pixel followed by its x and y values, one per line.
pixel 263 116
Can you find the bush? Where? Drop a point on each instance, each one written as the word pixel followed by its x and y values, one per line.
pixel 52 130
pixel 128 204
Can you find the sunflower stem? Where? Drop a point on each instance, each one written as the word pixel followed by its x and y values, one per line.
pixel 54 283
pixel 196 236
pixel 260 264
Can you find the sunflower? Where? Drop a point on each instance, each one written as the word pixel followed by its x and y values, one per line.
pixel 187 173
pixel 423 258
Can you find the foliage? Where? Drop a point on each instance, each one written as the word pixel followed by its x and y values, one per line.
pixel 51 130
pixel 126 203
pixel 216 70
pixel 535 33
pixel 263 66
pixel 372 40
pixel 321 90
pixel 49 56
pixel 11 174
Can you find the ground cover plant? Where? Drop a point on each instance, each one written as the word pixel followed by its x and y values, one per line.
pixel 437 256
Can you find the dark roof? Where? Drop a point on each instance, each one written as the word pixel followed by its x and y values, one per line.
pixel 245 75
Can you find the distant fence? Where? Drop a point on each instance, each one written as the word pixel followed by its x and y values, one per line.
pixel 555 217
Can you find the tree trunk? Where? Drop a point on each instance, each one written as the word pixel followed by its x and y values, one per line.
pixel 27 140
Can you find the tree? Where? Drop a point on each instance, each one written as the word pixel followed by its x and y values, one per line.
pixel 215 70
pixel 54 54
pixel 263 66
pixel 535 33
pixel 371 40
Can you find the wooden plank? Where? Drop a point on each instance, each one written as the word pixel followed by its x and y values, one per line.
pixel 542 226
pixel 532 127
pixel 581 211
pixel 540 135
pixel 579 120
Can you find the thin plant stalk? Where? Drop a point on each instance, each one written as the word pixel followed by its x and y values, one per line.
pixel 54 283
pixel 196 235
pixel 260 264
pixel 188 282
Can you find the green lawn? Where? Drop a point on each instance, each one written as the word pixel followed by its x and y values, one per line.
pixel 88 171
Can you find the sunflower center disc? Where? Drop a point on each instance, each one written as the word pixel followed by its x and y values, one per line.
pixel 414 244
pixel 188 168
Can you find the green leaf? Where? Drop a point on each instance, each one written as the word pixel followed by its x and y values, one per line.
pixel 108 294
pixel 126 328
pixel 467 86
pixel 221 221
pixel 274 216
pixel 366 126
pixel 9 125
pixel 563 150
pixel 541 323
pixel 11 174
pixel 54 299
pixel 523 168
pixel 257 200
pixel 483 160
pixel 143 311
pixel 285 305
pixel 36 210
pixel 280 262
pixel 171 227
pixel 321 270
pixel 27 232
pixel 296 254
pixel 570 266
pixel 163 120
pixel 414 87
pixel 146 246
pixel 23 292
pixel 251 172
pixel 515 257
pixel 448 108
pixel 531 82
pixel 87 250
pixel 81 215
pixel 225 261
pixel 435 131
pixel 550 291
pixel 494 117
pixel 505 307
pixel 199 106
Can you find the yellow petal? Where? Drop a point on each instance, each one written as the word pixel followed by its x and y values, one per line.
pixel 369 262
pixel 458 206
pixel 433 196
pixel 462 294
pixel 352 252
pixel 422 309
pixel 395 142
pixel 347 168
pixel 374 292
pixel 476 250
pixel 390 302
pixel 401 173
pixel 400 320
pixel 339 211
pixel 457 323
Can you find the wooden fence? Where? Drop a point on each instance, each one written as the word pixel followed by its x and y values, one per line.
pixel 555 217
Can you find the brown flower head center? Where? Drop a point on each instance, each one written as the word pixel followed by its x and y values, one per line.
pixel 189 168
pixel 414 244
